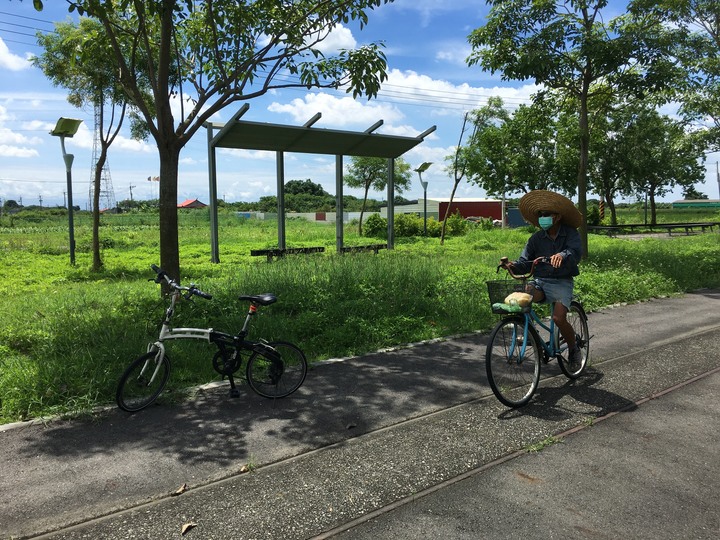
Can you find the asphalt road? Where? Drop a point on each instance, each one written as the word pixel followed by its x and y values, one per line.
pixel 365 437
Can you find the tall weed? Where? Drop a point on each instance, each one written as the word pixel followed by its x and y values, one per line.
pixel 67 333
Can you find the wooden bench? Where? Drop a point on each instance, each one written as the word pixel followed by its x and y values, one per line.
pixel 613 230
pixel 687 227
pixel 278 252
pixel 357 249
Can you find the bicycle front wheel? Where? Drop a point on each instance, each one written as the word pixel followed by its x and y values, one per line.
pixel 278 372
pixel 578 320
pixel 512 362
pixel 143 381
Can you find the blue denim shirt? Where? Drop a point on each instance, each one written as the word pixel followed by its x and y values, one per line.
pixel 541 244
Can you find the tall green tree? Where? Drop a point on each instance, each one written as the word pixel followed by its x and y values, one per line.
pixel 659 155
pixel 513 153
pixel 607 163
pixel 457 169
pixel 697 46
pixel 79 58
pixel 199 57
pixel 565 46
pixel 305 187
pixel 484 157
pixel 369 173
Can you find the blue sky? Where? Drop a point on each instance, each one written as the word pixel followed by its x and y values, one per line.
pixel 429 85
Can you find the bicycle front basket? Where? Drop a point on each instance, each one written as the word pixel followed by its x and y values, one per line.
pixel 498 291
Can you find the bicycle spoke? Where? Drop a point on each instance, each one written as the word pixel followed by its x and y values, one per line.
pixel 512 364
pixel 142 382
pixel 577 319
pixel 279 373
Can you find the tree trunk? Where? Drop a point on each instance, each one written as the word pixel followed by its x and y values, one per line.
pixel 613 211
pixel 653 207
pixel 169 244
pixel 362 210
pixel 583 161
pixel 97 181
pixel 447 212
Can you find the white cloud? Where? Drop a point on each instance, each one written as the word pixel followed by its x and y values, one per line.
pixel 445 97
pixel 339 38
pixel 14 144
pixel 453 53
pixel 261 155
pixel 337 112
pixel 17 151
pixel 128 144
pixel 12 61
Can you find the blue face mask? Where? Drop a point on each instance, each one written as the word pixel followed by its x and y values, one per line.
pixel 545 222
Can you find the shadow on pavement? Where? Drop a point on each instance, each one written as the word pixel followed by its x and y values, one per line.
pixel 548 403
pixel 338 401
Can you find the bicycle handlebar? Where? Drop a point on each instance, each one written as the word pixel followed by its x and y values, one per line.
pixel 191 290
pixel 505 263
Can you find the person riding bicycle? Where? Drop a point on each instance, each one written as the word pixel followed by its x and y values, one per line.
pixel 558 239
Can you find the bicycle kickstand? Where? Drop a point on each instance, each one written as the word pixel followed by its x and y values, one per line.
pixel 234 392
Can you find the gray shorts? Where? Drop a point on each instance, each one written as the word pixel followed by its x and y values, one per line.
pixel 556 290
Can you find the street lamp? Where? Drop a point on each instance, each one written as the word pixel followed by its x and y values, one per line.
pixel 421 169
pixel 67 127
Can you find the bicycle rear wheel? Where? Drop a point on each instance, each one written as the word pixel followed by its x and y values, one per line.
pixel 578 320
pixel 278 373
pixel 513 366
pixel 142 382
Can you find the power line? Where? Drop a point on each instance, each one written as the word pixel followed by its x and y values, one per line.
pixel 20 26
pixel 18 33
pixel 46 21
pixel 17 25
pixel 40 181
pixel 389 93
pixel 20 42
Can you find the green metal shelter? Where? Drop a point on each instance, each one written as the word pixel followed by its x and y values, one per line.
pixel 240 134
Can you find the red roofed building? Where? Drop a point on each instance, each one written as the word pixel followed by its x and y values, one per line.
pixel 192 203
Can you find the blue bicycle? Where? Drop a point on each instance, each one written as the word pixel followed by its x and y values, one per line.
pixel 516 350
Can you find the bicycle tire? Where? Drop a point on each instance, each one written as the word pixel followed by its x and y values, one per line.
pixel 513 380
pixel 271 377
pixel 135 391
pixel 578 320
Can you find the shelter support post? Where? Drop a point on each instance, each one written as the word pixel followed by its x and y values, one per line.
pixel 391 204
pixel 339 208
pixel 281 199
pixel 212 175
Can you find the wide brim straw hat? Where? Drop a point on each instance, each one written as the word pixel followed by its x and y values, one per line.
pixel 549 201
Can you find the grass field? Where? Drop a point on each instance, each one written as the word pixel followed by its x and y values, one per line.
pixel 66 333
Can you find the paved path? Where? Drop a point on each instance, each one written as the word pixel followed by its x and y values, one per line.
pixel 365 434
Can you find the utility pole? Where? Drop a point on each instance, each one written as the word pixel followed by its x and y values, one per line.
pixel 40 199
pixel 131 188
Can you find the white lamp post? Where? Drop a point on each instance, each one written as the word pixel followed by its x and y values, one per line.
pixel 67 127
pixel 421 169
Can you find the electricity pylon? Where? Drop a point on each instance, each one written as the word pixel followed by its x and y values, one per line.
pixel 107 194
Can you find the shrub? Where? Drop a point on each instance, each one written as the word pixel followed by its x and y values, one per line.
pixel 375 226
pixel 593 215
pixel 408 225
pixel 456 224
pixel 434 228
